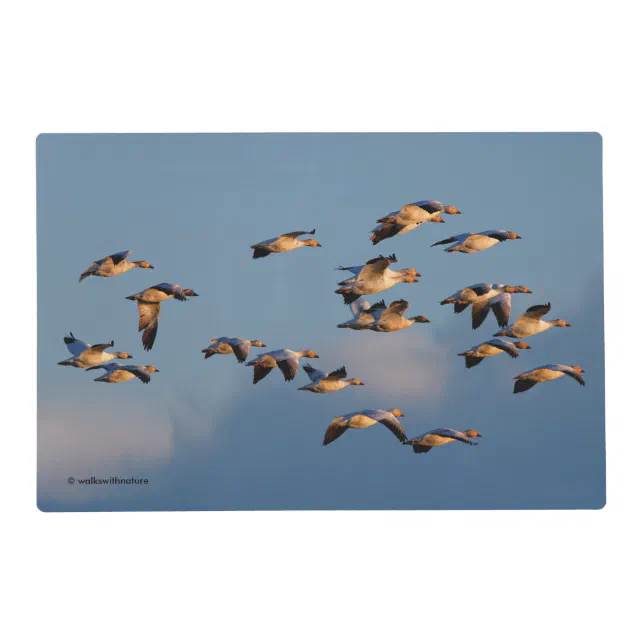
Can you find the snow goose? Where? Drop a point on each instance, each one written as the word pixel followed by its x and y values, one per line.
pixel 149 305
pixel 324 383
pixel 358 271
pixel 425 442
pixel 285 359
pixel 363 419
pixel 363 314
pixel 531 323
pixel 483 298
pixel 545 373
pixel 239 346
pixel 393 319
pixel 116 372
pixel 374 277
pixel 474 242
pixel 283 243
pixel 113 265
pixel 492 348
pixel 89 355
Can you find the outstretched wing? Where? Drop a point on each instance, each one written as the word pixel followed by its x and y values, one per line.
pixel 523 385
pixel 289 368
pixel 452 433
pixel 171 289
pixel 335 430
pixel 536 312
pixel 142 374
pixel 389 421
pixel 299 233
pixel 74 346
pixel 240 349
pixel 375 267
pixel 314 374
pixel 504 345
pixel 99 348
pixel 500 306
pixel 338 374
pixel 397 308
pixel 479 313
pixel 117 258
pixel 148 322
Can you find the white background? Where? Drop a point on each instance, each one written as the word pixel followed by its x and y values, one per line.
pixel 286 66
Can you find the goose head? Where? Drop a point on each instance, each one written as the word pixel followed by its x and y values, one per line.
pixel 309 354
pixel 355 381
pixel 396 412
pixel 151 368
pixel 420 318
pixel 144 264
pixel 257 343
pixel 472 433
pixel 522 289
pixel 522 345
pixel 577 368
pixel 123 356
pixel 452 210
pixel 512 235
pixel 312 242
pixel 560 322
pixel 188 292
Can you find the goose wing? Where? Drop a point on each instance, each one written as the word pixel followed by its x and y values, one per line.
pixel 396 310
pixel 359 306
pixel 479 313
pixel 171 289
pixel 428 206
pixel 337 374
pixel 499 235
pixel 289 367
pixel 140 372
pixel 569 371
pixel 536 312
pixel 314 374
pixel 389 421
pixel 99 348
pixel 376 267
pixel 337 427
pixel 500 305
pixel 74 346
pixel 452 433
pixel 504 345
pixel 149 322
pixel 240 348
pixel 117 258
pixel 298 233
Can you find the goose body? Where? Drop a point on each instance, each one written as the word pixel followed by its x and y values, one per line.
pixel 225 345
pixel 393 318
pixel 374 277
pixel 485 298
pixel 546 373
pixel 115 372
pixel 113 265
pixel 324 383
pixel 286 360
pixel 89 355
pixel 530 323
pixel 438 437
pixel 283 243
pixel 363 419
pixel 492 348
pixel 474 242
pixel 149 305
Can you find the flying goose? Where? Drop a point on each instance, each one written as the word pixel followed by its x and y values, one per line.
pixel 113 265
pixel 545 373
pixel 491 348
pixel 531 323
pixel 324 383
pixel 409 218
pixel 365 270
pixel 285 359
pixel 363 314
pixel 474 242
pixel 149 305
pixel 116 372
pixel 392 319
pixel 283 243
pixel 425 442
pixel 483 298
pixel 89 355
pixel 374 277
pixel 366 418
pixel 239 346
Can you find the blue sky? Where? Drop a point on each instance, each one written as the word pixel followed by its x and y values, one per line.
pixel 205 437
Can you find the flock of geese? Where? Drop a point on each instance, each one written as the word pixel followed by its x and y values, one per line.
pixel 370 278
